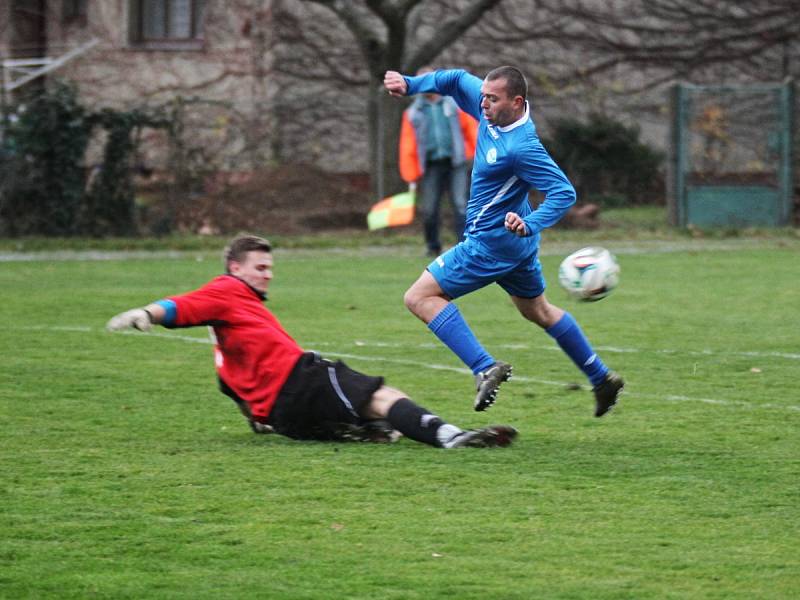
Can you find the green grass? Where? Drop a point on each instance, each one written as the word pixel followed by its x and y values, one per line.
pixel 126 474
pixel 629 223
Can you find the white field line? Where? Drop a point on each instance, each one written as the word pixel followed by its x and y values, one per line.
pixel 608 349
pixel 436 345
pixel 92 255
pixel 439 367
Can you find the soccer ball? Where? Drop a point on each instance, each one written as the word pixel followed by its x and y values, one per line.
pixel 589 274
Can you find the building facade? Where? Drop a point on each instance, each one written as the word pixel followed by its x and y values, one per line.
pixel 209 61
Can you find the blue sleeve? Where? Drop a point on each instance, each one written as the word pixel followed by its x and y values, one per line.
pixel 464 87
pixel 171 312
pixel 535 166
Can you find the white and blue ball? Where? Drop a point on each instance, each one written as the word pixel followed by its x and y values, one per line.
pixel 589 274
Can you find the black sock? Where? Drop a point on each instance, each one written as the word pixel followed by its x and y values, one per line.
pixel 414 421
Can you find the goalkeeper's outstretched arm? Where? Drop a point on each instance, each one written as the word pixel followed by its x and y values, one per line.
pixel 138 318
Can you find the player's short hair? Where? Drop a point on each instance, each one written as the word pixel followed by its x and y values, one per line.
pixel 516 85
pixel 243 243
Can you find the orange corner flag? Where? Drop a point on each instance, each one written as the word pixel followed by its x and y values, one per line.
pixel 392 211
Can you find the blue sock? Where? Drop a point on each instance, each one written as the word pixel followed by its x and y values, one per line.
pixel 569 336
pixel 451 328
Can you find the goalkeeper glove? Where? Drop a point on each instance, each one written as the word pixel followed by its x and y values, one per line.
pixel 138 318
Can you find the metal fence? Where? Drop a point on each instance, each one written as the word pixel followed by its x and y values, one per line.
pixel 731 155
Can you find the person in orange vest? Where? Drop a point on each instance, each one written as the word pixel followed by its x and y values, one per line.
pixel 437 142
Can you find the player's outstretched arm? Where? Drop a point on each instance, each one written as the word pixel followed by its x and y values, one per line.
pixel 395 84
pixel 137 318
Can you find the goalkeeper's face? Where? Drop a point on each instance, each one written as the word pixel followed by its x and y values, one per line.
pixel 255 269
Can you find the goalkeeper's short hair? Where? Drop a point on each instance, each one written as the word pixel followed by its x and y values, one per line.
pixel 243 243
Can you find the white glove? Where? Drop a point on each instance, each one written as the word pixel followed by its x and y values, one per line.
pixel 138 318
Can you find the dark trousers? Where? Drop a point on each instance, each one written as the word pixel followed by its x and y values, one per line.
pixel 441 176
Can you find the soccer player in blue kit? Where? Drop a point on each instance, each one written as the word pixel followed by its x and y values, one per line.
pixel 502 232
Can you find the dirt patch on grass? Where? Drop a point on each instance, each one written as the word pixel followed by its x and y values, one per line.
pixel 292 199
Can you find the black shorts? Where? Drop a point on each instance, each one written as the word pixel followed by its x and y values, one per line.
pixel 319 397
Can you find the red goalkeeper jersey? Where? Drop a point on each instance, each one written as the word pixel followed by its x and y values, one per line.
pixel 253 354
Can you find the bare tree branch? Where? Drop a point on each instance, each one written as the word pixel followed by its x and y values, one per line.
pixel 450 31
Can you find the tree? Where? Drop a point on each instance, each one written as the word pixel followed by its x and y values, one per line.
pixel 389 34
pixel 664 39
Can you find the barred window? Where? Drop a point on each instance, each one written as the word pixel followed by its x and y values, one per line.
pixel 167 24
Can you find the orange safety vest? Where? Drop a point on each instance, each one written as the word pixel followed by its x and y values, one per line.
pixel 410 168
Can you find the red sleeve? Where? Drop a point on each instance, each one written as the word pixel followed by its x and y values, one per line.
pixel 205 306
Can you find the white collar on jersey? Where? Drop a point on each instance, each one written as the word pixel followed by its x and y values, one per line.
pixel 522 120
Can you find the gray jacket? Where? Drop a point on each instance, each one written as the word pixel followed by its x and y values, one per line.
pixel 418 121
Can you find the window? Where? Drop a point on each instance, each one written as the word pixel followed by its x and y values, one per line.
pixel 74 10
pixel 167 24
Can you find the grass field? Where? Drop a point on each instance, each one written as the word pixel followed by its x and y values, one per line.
pixel 125 474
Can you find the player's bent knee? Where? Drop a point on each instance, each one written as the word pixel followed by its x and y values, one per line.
pixel 382 401
pixel 538 310
pixel 412 300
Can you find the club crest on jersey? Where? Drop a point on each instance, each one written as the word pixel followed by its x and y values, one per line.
pixel 491 156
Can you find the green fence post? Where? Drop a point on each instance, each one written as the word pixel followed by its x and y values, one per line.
pixel 679 137
pixel 787 154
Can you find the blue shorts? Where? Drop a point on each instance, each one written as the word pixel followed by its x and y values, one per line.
pixel 468 266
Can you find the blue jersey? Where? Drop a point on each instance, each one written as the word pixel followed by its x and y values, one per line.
pixel 508 162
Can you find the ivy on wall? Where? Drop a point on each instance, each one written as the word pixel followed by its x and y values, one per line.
pixel 45 185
